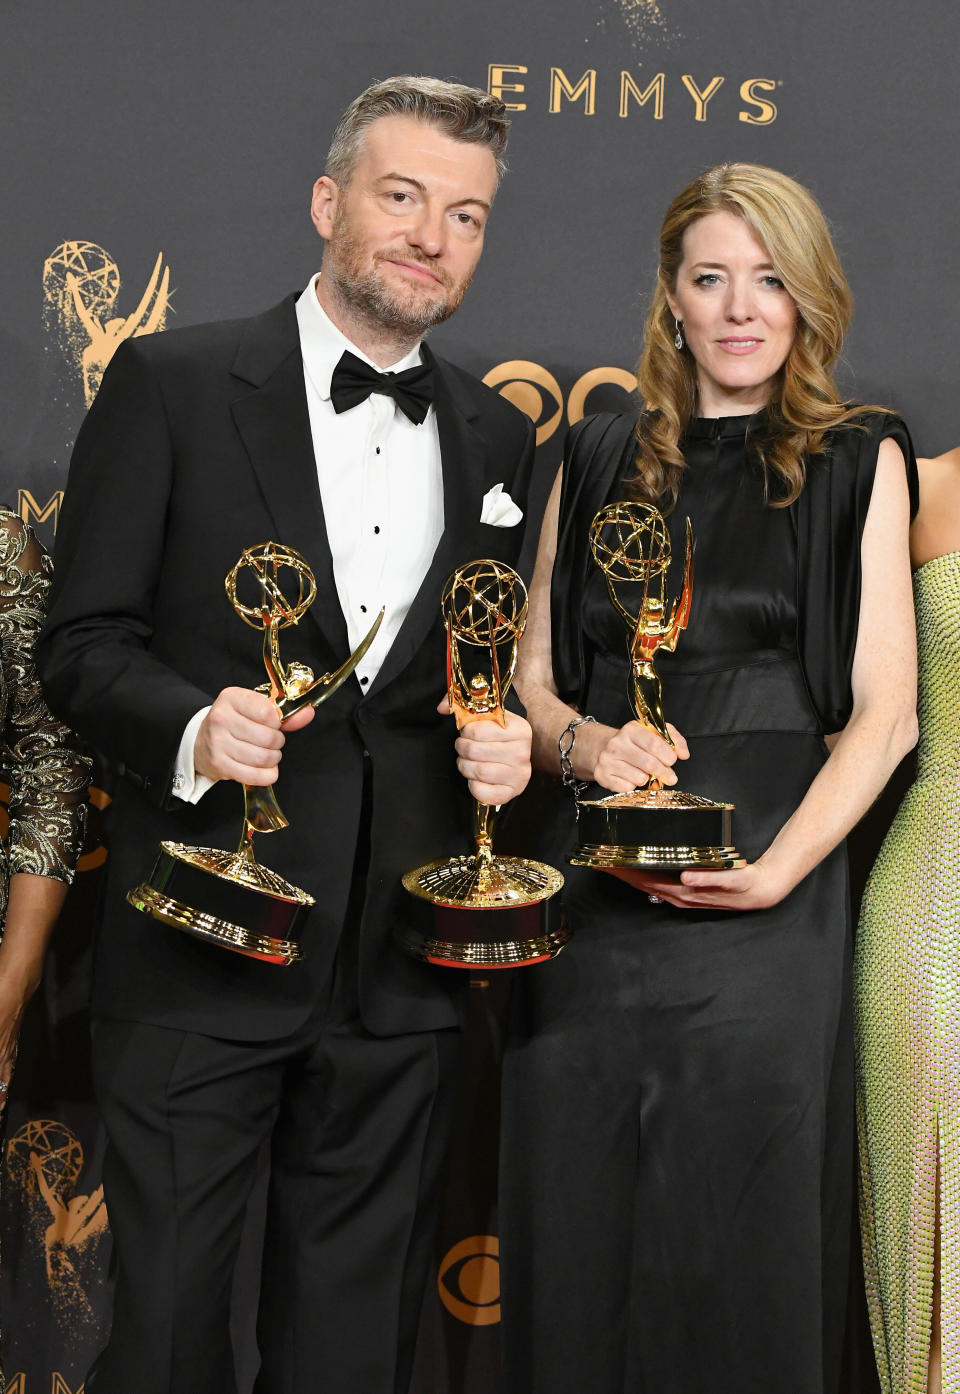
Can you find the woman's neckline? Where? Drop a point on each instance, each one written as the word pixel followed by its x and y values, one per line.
pixel 716 427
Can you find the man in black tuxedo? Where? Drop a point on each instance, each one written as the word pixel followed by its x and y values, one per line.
pixel 202 442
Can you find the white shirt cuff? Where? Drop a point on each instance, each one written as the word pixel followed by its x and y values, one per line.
pixel 187 784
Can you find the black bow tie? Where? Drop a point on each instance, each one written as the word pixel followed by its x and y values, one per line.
pixel 353 381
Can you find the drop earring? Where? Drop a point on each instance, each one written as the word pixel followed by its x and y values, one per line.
pixel 678 341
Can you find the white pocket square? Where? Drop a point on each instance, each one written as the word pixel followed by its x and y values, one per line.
pixel 499 509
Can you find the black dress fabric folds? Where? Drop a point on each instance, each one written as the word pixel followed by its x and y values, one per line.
pixel 675 1195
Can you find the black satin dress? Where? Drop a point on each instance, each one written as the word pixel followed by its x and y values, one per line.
pixel 677 1086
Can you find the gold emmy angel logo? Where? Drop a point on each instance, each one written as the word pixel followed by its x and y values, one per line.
pixel 81 283
pixel 44 1162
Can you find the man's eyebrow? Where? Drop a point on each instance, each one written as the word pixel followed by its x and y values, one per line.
pixel 403 179
pixel 422 188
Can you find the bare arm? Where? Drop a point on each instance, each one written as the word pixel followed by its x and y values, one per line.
pixel 617 759
pixel 936 528
pixel 32 909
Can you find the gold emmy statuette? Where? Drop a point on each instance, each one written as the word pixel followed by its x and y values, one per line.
pixel 651 827
pixel 480 910
pixel 228 898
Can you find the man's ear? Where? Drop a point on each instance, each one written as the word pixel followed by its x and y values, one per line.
pixel 323 205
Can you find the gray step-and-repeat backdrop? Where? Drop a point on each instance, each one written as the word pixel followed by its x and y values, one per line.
pixel 156 168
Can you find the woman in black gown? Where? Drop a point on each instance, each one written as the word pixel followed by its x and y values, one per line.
pixel 677 1087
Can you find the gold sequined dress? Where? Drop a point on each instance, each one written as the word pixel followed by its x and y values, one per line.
pixel 908 1024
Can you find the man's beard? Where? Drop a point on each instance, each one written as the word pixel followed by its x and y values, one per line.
pixel 366 293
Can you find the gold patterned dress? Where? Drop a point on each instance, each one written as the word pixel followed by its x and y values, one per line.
pixel 39 757
pixel 908 1024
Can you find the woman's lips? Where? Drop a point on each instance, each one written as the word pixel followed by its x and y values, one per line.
pixel 740 346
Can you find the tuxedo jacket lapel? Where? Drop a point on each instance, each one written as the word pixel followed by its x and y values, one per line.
pixel 274 425
pixel 463 460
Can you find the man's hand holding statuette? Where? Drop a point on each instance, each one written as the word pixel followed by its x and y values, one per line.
pixel 242 737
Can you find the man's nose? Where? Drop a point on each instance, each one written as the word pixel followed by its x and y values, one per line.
pixel 428 231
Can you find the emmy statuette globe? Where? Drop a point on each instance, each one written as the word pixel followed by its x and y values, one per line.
pixel 229 898
pixel 480 909
pixel 652 827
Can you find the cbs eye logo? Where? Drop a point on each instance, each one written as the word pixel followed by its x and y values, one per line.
pixel 469 1280
pixel 536 391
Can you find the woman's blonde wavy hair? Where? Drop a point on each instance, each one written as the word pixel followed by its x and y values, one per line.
pixel 786 219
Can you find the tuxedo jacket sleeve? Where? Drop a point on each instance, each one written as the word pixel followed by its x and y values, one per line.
pixel 97 660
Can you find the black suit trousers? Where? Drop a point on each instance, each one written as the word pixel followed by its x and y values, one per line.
pixel 358 1127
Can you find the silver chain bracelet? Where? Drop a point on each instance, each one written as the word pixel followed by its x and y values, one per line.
pixel 565 743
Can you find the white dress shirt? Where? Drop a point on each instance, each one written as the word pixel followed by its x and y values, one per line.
pixel 381 486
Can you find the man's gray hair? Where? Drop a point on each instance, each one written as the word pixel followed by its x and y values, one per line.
pixel 464 113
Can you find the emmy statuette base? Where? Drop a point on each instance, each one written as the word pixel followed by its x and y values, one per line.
pixel 656 830
pixel 198 890
pixel 466 913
